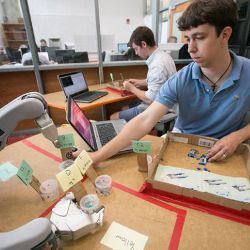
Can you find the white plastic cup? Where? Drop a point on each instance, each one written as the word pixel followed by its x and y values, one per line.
pixel 49 190
pixel 89 203
pixel 103 184
pixel 65 164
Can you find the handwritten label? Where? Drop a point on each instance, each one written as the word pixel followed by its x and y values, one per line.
pixel 83 161
pixel 25 173
pixel 7 170
pixel 66 141
pixel 69 177
pixel 142 147
pixel 205 143
pixel 123 238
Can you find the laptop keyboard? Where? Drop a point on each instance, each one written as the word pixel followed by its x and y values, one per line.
pixel 106 132
pixel 90 95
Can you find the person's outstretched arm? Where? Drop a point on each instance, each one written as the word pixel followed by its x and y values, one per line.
pixel 134 130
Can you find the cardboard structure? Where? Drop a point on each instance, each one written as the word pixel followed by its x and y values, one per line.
pixel 173 152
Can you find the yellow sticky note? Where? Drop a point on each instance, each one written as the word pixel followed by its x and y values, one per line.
pixel 69 177
pixel 83 161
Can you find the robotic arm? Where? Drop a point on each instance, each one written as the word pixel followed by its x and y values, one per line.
pixel 70 222
pixel 28 106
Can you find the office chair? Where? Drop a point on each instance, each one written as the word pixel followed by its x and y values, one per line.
pixel 103 55
pixel 166 123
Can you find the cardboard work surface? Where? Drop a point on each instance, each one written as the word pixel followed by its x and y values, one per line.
pixel 168 226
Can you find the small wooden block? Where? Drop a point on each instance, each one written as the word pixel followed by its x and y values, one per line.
pixel 91 173
pixel 78 190
pixel 142 162
pixel 66 153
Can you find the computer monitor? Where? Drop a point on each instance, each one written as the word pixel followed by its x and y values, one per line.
pixel 80 57
pixel 51 53
pixel 14 55
pixel 122 47
pixel 64 56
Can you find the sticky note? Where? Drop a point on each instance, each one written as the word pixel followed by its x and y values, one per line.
pixel 66 141
pixel 25 172
pixel 7 170
pixel 142 147
pixel 83 161
pixel 69 177
pixel 123 238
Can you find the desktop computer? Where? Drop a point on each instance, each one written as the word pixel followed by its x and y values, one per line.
pixel 122 47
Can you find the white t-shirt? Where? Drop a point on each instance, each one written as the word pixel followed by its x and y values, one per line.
pixel 161 67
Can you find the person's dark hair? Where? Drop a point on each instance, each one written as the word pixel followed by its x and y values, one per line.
pixel 218 13
pixel 43 40
pixel 140 34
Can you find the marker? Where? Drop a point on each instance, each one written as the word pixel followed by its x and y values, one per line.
pixel 111 77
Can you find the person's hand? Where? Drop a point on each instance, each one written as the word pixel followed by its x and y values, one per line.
pixel 128 86
pixel 223 148
pixel 137 83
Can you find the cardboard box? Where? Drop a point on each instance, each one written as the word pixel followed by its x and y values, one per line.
pixel 174 152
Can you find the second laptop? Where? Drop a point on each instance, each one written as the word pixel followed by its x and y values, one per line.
pixel 75 85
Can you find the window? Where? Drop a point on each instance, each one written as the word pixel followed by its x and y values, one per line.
pixel 118 19
pixel 65 31
pixel 13 38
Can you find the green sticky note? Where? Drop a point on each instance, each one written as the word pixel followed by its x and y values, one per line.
pixel 142 147
pixel 25 173
pixel 66 141
pixel 7 170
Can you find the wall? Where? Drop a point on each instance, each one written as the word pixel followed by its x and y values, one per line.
pixel 113 15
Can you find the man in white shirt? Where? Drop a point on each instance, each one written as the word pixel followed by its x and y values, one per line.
pixel 43 58
pixel 160 67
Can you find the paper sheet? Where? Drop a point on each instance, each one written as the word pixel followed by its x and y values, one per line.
pixel 234 188
pixel 83 162
pixel 25 172
pixel 119 237
pixel 69 177
pixel 7 170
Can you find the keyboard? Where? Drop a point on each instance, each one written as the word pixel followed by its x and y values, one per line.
pixel 91 95
pixel 106 132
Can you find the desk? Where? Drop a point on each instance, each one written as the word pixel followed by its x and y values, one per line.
pixel 168 226
pixel 56 100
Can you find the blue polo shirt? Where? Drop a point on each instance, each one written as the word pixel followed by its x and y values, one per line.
pixel 203 112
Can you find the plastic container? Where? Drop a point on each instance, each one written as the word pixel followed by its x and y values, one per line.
pixel 65 164
pixel 89 203
pixel 103 184
pixel 49 190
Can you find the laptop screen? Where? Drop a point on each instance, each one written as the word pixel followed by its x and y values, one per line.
pixel 73 83
pixel 80 122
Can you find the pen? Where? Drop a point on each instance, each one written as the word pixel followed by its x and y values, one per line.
pixel 122 78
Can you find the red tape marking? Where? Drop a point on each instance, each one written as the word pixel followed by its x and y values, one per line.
pixel 242 217
pixel 41 150
pixel 181 214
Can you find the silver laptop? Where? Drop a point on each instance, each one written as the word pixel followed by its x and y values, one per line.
pixel 74 85
pixel 95 134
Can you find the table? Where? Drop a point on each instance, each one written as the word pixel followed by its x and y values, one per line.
pixel 57 99
pixel 168 226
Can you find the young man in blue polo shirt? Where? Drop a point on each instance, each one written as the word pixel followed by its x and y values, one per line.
pixel 213 92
